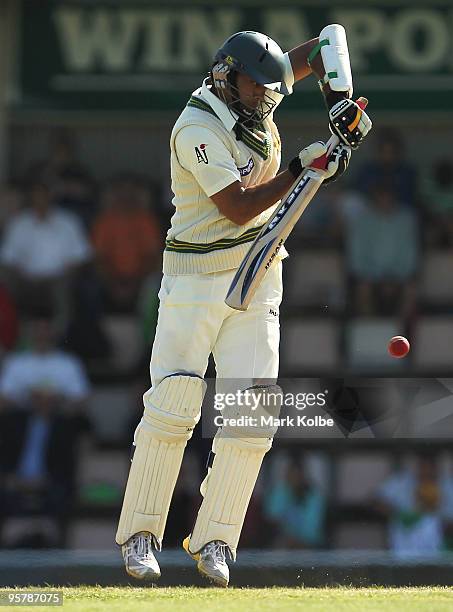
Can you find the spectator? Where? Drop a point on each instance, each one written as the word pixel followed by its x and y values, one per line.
pixel 334 207
pixel 76 192
pixel 38 464
pixel 127 241
pixel 11 202
pixel 297 509
pixel 43 393
pixel 390 166
pixel 9 326
pixel 42 250
pixel 382 251
pixel 318 228
pixel 62 158
pixel 345 203
pixel 42 365
pixel 437 202
pixel 85 335
pixel 416 501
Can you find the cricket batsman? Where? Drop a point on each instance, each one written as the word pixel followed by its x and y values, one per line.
pixel 225 159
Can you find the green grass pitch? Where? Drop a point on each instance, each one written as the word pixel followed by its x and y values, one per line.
pixel 194 599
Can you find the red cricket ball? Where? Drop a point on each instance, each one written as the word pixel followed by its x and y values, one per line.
pixel 398 346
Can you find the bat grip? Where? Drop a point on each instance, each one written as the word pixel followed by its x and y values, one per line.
pixel 320 163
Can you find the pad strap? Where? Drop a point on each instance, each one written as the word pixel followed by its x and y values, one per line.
pixel 316 49
pixel 326 78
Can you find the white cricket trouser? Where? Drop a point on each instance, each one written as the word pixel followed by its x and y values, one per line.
pixel 195 321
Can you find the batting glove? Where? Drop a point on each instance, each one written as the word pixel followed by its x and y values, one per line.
pixel 349 122
pixel 338 163
pixel 306 157
pixel 336 166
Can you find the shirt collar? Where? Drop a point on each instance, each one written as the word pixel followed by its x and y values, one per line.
pixel 227 117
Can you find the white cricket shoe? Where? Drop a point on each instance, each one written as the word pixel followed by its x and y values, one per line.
pixel 139 559
pixel 212 561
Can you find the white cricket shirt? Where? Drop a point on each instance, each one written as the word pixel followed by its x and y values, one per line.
pixel 206 157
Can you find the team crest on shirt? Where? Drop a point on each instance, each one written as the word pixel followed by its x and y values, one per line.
pixel 201 154
pixel 247 168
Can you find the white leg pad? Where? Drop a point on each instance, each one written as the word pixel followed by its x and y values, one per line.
pixel 171 412
pixel 228 489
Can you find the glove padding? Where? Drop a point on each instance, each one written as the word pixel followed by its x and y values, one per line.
pixel 337 163
pixel 349 122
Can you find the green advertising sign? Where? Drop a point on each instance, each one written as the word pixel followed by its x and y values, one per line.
pixel 133 55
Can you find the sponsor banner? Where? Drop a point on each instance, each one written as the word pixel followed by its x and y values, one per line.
pixel 150 55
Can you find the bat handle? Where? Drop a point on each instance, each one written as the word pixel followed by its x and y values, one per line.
pixel 320 163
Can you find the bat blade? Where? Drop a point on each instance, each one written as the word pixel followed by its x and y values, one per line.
pixel 270 240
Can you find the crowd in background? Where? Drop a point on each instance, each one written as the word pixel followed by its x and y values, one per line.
pixel 74 252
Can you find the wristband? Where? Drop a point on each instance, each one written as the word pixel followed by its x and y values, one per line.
pixel 332 97
pixel 295 167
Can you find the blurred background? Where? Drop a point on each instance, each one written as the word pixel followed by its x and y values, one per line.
pixel 89 91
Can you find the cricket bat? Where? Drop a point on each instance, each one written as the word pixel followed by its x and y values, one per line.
pixel 272 236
